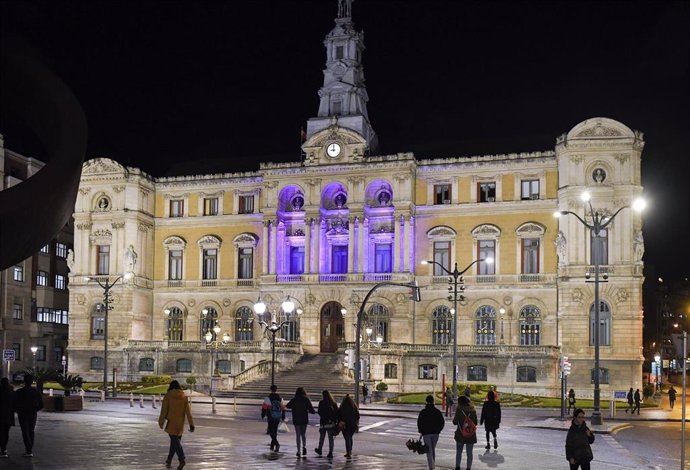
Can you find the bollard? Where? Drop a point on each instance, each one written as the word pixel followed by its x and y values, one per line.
pixel 234 404
pixel 213 405
pixel 50 392
pixel 102 395
pixel 141 401
pixel 131 400
pixel 81 393
pixel 153 401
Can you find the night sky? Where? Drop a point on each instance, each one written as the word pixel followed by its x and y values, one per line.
pixel 168 82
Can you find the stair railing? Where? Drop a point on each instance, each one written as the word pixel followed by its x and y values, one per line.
pixel 257 371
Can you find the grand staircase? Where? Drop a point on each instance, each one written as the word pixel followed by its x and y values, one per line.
pixel 314 373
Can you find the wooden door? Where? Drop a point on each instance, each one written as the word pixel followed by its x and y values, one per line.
pixel 332 327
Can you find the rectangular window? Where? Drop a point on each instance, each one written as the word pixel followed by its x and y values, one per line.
pixel 103 259
pixel 211 206
pixel 41 353
pixel 600 250
pixel 17 312
pixel 390 371
pixel 383 257
pixel 175 264
pixel 18 273
pixel 442 193
pixel 97 327
pixel 486 192
pixel 60 282
pixel 42 278
pixel 530 189
pixel 296 259
pixel 45 248
pixel 210 268
pixel 60 250
pixel 339 52
pixel 476 373
pixel 530 256
pixel 442 257
pixel 339 259
pixel 246 204
pixel 58 353
pixel 603 375
pixel 246 263
pixel 176 207
pixel 487 249
pixel 337 108
pixel 17 347
pixel 427 372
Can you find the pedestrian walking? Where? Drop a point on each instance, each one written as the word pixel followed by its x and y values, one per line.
pixel 493 390
pixel 430 423
pixel 638 400
pixel 348 422
pixel 365 393
pixel 672 396
pixel 631 405
pixel 449 402
pixel 468 392
pixel 301 407
pixel 578 450
pixel 464 412
pixel 6 414
pixel 28 402
pixel 491 418
pixel 572 401
pixel 328 420
pixel 274 412
pixel 174 410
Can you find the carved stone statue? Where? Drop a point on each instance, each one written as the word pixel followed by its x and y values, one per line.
pixel 70 259
pixel 638 245
pixel 130 258
pixel 561 243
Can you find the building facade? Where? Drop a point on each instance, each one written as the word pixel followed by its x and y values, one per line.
pixel 34 300
pixel 202 249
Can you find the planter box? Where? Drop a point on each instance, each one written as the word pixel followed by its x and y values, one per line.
pixel 60 403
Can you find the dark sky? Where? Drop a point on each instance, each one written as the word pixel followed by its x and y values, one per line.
pixel 167 82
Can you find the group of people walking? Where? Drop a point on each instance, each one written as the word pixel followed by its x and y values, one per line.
pixel 333 420
pixel 634 400
pixel 26 403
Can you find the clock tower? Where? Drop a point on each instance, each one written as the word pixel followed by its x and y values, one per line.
pixel 343 94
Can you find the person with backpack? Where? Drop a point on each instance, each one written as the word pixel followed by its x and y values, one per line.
pixel 466 433
pixel 571 400
pixel 28 402
pixel 629 397
pixel 491 418
pixel 301 407
pixel 274 412
pixel 348 422
pixel 174 410
pixel 578 450
pixel 430 423
pixel 328 422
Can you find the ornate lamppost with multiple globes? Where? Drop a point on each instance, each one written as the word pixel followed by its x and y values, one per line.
pixel 274 327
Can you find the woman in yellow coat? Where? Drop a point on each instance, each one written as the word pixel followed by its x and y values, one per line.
pixel 175 408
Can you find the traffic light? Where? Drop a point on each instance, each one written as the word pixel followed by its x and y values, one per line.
pixel 349 359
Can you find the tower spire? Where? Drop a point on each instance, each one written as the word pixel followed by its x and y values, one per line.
pixel 343 93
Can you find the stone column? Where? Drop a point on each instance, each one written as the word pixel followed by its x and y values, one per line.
pixel 406 245
pixel 307 246
pixel 274 245
pixel 396 244
pixel 264 249
pixel 350 245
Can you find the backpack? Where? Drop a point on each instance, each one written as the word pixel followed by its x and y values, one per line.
pixel 468 428
pixel 276 410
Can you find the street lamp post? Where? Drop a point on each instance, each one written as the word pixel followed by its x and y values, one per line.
pixel 34 349
pixel 288 307
pixel 657 359
pixel 379 340
pixel 599 222
pixel 64 366
pixel 457 287
pixel 107 297
pixel 215 343
pixel 358 333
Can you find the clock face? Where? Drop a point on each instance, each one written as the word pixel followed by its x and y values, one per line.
pixel 333 150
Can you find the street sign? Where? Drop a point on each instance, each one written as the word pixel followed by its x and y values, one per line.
pixel 620 394
pixel 8 354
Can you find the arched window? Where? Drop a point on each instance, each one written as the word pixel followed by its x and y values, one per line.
pixel 377 318
pixel 290 330
pixel 174 324
pixel 96 363
pixel 604 324
pixel 243 324
pixel 526 374
pixel 441 326
pixel 184 365
pixel 98 321
pixel 146 364
pixel 207 320
pixel 476 373
pixel 223 366
pixel 530 325
pixel 485 325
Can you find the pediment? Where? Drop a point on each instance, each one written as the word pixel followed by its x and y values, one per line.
pixel 600 128
pixel 101 166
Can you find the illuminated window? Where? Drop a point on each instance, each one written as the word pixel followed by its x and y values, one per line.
pixel 103 259
pixel 42 278
pixel 485 325
pixel 530 189
pixel 176 207
pixel 442 193
pixel 441 327
pixel 486 192
pixel 211 206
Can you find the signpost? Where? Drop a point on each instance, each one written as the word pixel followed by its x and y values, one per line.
pixel 8 356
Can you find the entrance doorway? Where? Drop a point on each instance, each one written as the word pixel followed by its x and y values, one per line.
pixel 332 327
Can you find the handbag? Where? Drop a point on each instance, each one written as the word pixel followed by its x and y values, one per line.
pixel 283 427
pixel 417 445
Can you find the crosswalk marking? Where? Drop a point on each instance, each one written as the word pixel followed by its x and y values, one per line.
pixel 375 425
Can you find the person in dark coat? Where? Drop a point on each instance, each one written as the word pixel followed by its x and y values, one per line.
pixel 491 418
pixel 672 396
pixel 464 410
pixel 577 444
pixel 571 401
pixel 301 407
pixel 28 402
pixel 631 405
pixel 273 400
pixel 6 414
pixel 348 422
pixel 430 423
pixel 638 400
pixel 328 420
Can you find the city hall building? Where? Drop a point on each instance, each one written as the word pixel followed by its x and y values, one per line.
pixel 194 254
